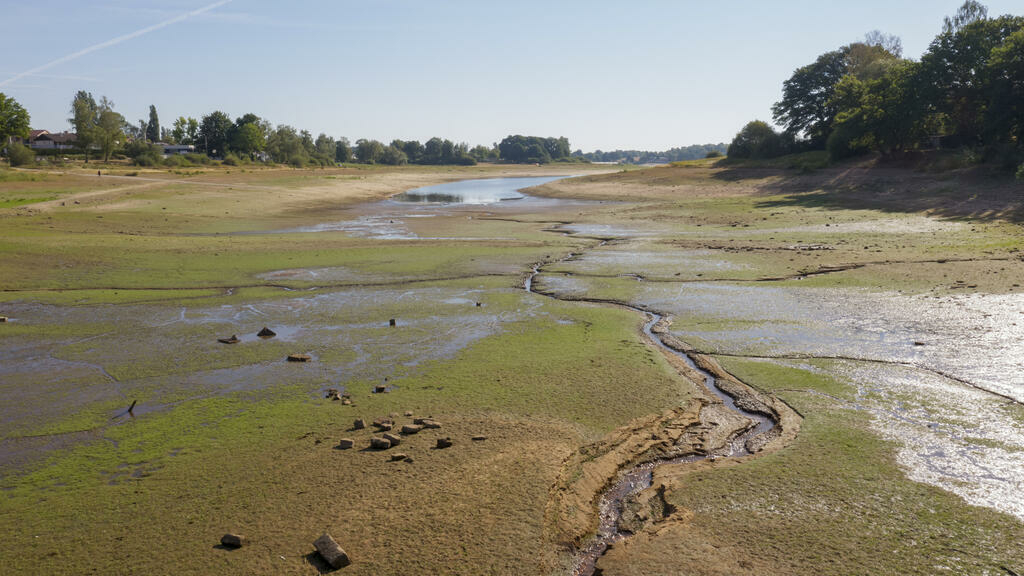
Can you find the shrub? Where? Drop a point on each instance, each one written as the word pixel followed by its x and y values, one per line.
pixel 714 154
pixel 230 159
pixel 1020 172
pixel 197 158
pixel 758 140
pixel 19 155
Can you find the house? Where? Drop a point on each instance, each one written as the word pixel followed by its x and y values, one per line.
pixel 172 149
pixel 47 141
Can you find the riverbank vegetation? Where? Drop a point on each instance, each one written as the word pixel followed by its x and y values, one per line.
pixel 965 93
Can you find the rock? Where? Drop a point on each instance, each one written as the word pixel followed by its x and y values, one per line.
pixel 266 333
pixel 299 358
pixel 419 420
pixel 233 340
pixel 427 423
pixel 359 424
pixel 331 551
pixel 478 438
pixel 333 394
pixel 408 413
pixel 383 421
pixel 398 457
pixel 444 443
pixel 393 438
pixel 411 428
pixel 232 540
pixel 380 389
pixel 3 318
pixel 478 304
pixel 346 443
pixel 346 401
pixel 391 322
pixel 379 443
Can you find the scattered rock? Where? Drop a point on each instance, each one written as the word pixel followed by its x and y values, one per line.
pixel 444 443
pixel 233 340
pixel 266 333
pixel 478 304
pixel 333 394
pixel 380 389
pixel 431 423
pixel 398 457
pixel 359 424
pixel 393 438
pixel 232 540
pixel 383 421
pixel 3 318
pixel 408 413
pixel 346 443
pixel 391 322
pixel 380 443
pixel 346 401
pixel 478 438
pixel 331 551
pixel 299 358
pixel 411 428
pixel 419 420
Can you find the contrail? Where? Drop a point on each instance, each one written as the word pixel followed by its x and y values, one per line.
pixel 113 42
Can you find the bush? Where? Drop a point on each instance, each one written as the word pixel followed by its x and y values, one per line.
pixel 177 161
pixel 230 159
pixel 714 154
pixel 758 140
pixel 198 158
pixel 19 155
pixel 1020 172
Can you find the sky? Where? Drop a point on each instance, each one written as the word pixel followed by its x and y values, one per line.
pixel 648 75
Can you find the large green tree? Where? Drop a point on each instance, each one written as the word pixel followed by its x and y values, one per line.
pixel 214 130
pixel 342 150
pixel 284 145
pixel 885 114
pixel 153 126
pixel 109 128
pixel 758 140
pixel 84 117
pixel 956 67
pixel 1004 121
pixel 185 130
pixel 369 151
pixel 14 120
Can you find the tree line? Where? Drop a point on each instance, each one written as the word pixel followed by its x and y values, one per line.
pixel 102 130
pixel 693 152
pixel 966 91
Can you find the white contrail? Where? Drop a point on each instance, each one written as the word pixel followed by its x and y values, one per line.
pixel 113 42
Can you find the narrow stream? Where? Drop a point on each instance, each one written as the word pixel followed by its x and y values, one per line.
pixel 638 478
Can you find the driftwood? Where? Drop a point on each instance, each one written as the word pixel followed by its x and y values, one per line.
pixel 233 340
pixel 331 551
pixel 299 357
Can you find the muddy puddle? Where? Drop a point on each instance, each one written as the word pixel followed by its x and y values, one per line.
pixel 163 356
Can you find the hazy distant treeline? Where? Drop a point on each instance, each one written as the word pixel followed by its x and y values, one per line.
pixel 648 157
pixel 966 92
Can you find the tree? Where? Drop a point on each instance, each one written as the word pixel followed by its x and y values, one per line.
pixel 888 42
pixel 956 67
pixel 185 130
pixel 247 139
pixel 213 133
pixel 393 156
pixel 84 115
pixel 325 149
pixel 153 126
pixel 14 120
pixel 413 151
pixel 969 12
pixel 758 140
pixel 284 145
pixel 342 150
pixel 109 128
pixel 885 114
pixel 368 151
pixel 805 108
pixel 1004 117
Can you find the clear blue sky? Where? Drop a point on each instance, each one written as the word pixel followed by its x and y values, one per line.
pixel 640 74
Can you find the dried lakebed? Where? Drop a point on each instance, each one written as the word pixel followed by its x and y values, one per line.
pixel 899 353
